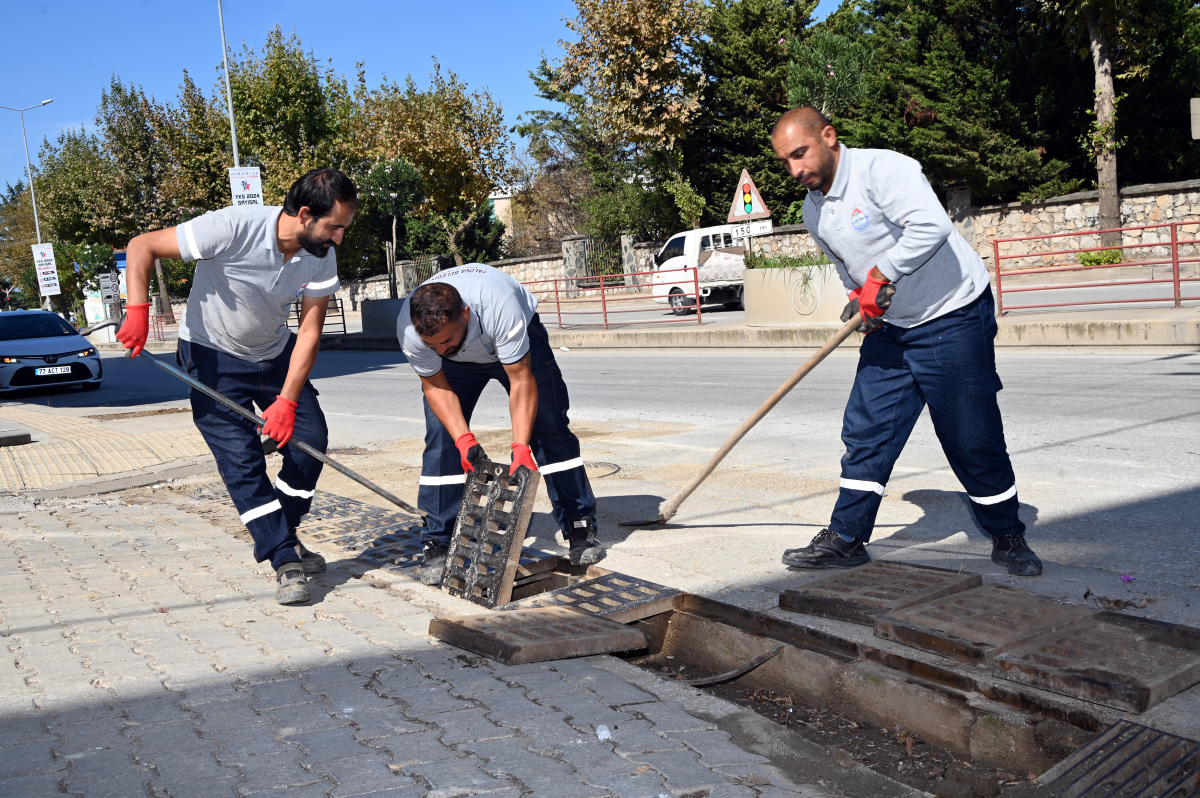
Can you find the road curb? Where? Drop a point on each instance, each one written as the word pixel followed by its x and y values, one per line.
pixel 109 483
pixel 1182 334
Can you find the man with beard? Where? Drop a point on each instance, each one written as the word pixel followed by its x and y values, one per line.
pixel 929 319
pixel 459 330
pixel 252 263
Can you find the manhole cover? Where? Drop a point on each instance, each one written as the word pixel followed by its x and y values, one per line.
pixel 615 596
pixel 804 297
pixel 862 594
pixel 975 625
pixel 537 635
pixel 600 470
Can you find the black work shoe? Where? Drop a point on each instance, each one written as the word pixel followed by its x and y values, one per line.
pixel 827 550
pixel 292 583
pixel 1014 553
pixel 433 566
pixel 585 548
pixel 313 563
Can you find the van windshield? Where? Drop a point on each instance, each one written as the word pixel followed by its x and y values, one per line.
pixel 673 249
pixel 20 326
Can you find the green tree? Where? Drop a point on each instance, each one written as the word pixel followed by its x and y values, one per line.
pixel 393 189
pixel 744 59
pixel 194 133
pixel 16 233
pixel 456 139
pixel 944 89
pixel 1111 33
pixel 827 72
pixel 637 62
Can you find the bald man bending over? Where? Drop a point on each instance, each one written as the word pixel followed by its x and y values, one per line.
pixel 929 320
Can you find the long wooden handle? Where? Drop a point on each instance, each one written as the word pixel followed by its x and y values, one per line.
pixel 668 512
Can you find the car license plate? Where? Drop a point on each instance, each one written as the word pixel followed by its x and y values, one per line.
pixel 45 372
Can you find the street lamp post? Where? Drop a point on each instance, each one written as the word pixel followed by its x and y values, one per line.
pixel 28 166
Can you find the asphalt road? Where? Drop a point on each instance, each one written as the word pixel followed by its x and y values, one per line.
pixel 1104 446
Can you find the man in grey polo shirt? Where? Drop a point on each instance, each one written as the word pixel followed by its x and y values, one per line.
pixel 873 213
pixel 252 264
pixel 459 330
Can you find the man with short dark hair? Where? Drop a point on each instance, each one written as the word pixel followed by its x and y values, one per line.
pixel 252 264
pixel 927 309
pixel 459 330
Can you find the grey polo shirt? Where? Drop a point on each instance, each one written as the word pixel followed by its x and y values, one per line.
pixel 498 331
pixel 881 211
pixel 242 291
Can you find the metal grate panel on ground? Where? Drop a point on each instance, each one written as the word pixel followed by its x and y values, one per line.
pixel 864 593
pixel 1112 659
pixel 976 625
pixel 537 635
pixel 486 545
pixel 614 596
pixel 1128 761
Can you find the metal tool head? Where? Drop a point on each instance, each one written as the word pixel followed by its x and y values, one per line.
pixel 100 325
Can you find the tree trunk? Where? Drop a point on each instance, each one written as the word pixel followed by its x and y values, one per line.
pixel 455 234
pixel 392 263
pixel 1106 154
pixel 164 297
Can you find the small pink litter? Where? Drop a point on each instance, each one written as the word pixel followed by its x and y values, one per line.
pixel 1127 579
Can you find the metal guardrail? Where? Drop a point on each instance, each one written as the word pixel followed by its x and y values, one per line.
pixel 335 315
pixel 1147 254
pixel 604 301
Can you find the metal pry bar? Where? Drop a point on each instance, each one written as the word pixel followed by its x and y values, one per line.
pixel 246 414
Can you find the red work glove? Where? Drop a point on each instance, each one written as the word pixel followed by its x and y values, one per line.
pixel 521 456
pixel 872 299
pixel 135 328
pixel 469 451
pixel 281 420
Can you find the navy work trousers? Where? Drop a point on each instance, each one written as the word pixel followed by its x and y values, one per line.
pixel 555 447
pixel 270 512
pixel 948 364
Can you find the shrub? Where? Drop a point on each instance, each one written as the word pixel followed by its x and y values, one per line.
pixel 756 260
pixel 1106 257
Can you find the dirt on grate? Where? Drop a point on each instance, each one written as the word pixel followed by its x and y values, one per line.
pixel 894 753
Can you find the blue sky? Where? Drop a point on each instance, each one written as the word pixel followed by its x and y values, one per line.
pixel 66 51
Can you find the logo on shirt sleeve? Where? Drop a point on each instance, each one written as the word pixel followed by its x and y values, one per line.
pixel 859 219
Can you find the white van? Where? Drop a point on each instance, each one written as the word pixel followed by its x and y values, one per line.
pixel 717 256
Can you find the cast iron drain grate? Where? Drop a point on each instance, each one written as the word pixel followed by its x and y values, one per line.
pixel 1129 761
pixel 862 594
pixel 492 521
pixel 614 596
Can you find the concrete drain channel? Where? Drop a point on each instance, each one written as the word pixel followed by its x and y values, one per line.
pixel 995 678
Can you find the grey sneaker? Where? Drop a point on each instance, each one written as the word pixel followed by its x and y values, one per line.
pixel 433 566
pixel 313 563
pixel 292 583
pixel 585 548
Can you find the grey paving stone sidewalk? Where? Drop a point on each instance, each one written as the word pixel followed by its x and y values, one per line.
pixel 149 658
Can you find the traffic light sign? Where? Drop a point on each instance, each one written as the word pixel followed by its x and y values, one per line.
pixel 747 202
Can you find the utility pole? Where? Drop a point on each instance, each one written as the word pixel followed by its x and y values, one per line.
pixel 28 166
pixel 37 226
pixel 228 92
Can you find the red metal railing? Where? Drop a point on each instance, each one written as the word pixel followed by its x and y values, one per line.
pixel 162 332
pixel 595 301
pixel 1161 253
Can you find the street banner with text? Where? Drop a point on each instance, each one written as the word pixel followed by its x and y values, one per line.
pixel 245 185
pixel 47 270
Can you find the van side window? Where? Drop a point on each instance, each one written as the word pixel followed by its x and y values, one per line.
pixel 673 249
pixel 728 240
pixel 705 244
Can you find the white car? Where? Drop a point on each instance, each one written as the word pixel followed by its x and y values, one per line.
pixel 708 261
pixel 38 348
